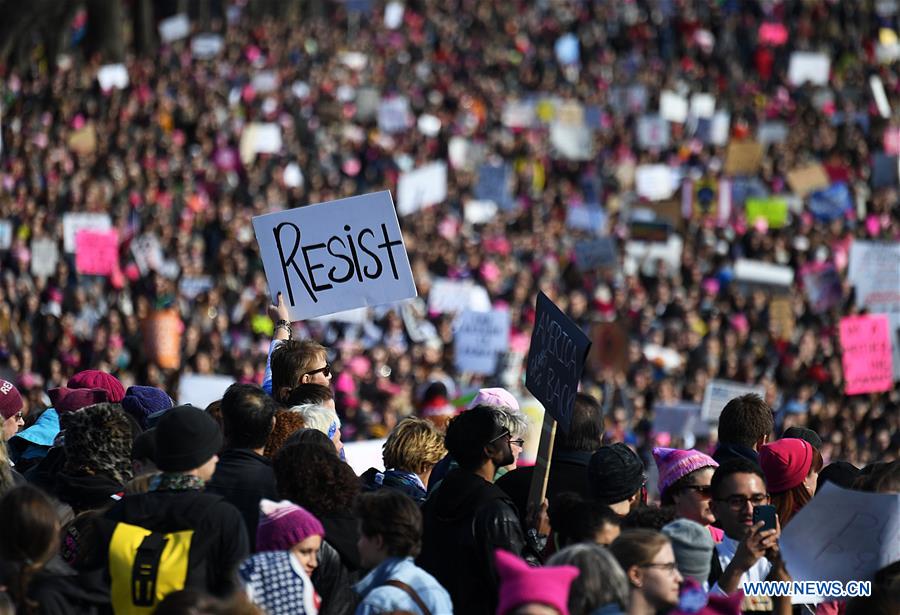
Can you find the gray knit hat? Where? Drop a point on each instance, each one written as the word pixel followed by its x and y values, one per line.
pixel 693 546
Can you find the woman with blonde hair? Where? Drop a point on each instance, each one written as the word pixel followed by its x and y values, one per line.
pixel 411 451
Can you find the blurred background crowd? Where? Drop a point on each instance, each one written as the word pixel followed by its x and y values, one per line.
pixel 478 84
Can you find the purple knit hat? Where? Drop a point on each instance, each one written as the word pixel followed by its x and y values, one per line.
pixel 284 524
pixel 674 464
pixel 142 401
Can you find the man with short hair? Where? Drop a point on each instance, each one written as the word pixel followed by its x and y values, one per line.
pixel 390 536
pixel 745 425
pixel 469 517
pixel 243 476
pixel 176 535
pixel 572 451
pixel 747 553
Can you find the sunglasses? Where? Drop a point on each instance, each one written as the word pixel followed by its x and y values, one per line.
pixel 704 490
pixel 325 371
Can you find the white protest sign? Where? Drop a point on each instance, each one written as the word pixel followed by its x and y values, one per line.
pixel 73 223
pixel 112 76
pixel 453 296
pixel 718 132
pixel 519 114
pixel 6 234
pixel 809 66
pixel 394 114
pixel 646 254
pixel 655 182
pixel 842 535
pixel 478 338
pixel 772 132
pixel 174 28
pixel 147 253
pixel 759 272
pixel 422 188
pixel 192 287
pixel 265 81
pixel 44 257
pixel 206 46
pixel 393 15
pixel 259 138
pixel 479 212
pixel 673 107
pixel 335 256
pixel 675 419
pixel 703 105
pixel 202 390
pixel 719 392
pixel 572 142
pixel 365 454
pixel 874 271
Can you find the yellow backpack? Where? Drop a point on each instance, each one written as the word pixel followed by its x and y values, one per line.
pixel 145 567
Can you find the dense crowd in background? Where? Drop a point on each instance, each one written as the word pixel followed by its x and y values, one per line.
pixel 166 162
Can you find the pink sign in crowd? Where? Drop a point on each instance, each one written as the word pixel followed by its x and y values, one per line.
pixel 671 226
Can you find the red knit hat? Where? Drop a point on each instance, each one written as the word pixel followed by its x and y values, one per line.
pixel 69 400
pixel 95 379
pixel 785 463
pixel 10 400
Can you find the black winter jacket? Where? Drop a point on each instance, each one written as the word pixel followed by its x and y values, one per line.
pixel 219 543
pixel 465 520
pixel 243 478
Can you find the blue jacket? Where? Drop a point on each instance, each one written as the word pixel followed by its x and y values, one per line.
pixel 378 598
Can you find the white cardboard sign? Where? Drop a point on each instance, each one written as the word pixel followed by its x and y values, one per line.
pixel 655 182
pixel 874 271
pixel 422 188
pixel 44 257
pixel 842 535
pixel 478 339
pixel 759 272
pixel 673 107
pixel 113 76
pixel 174 28
pixel 73 223
pixel 719 392
pixel 454 296
pixel 809 66
pixel 202 390
pixel 335 256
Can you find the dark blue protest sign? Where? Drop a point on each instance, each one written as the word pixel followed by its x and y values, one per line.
pixel 884 171
pixel 833 203
pixel 556 359
pixel 493 185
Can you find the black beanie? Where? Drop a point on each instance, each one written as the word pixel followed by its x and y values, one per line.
pixel 840 473
pixel 186 438
pixel 615 473
pixel 804 433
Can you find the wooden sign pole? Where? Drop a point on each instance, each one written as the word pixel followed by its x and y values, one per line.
pixel 538 489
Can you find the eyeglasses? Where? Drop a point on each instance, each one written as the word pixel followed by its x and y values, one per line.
pixel 505 434
pixel 325 371
pixel 739 502
pixel 518 442
pixel 669 567
pixel 703 490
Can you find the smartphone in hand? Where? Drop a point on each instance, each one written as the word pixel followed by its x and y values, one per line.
pixel 766 514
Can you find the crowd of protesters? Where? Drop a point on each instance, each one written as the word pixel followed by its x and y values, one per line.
pixel 117 498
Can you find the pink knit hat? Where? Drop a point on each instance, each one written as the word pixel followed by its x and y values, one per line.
pixel 495 397
pixel 10 400
pixel 785 463
pixel 95 379
pixel 674 464
pixel 284 524
pixel 521 584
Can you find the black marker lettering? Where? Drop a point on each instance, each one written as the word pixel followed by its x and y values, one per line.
pixel 353 252
pixel 310 268
pixel 344 258
pixel 389 245
pixel 362 246
pixel 290 261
